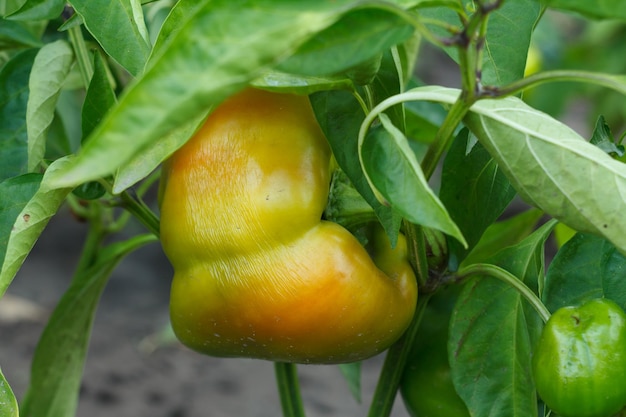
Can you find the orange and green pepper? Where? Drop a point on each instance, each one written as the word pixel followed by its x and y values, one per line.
pixel 258 273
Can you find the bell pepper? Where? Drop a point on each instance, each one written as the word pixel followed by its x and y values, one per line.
pixel 579 364
pixel 258 273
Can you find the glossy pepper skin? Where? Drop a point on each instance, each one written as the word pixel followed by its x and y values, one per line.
pixel 257 272
pixel 579 365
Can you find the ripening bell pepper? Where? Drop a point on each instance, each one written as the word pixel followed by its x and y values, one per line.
pixel 258 273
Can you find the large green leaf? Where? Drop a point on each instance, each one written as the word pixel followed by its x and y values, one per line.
pixel 8 403
pixel 30 220
pixel 492 332
pixel 13 101
pixel 586 267
pixel 59 358
pixel 50 69
pixel 210 56
pixel 474 190
pixel 118 26
pixel 553 168
pixel 607 9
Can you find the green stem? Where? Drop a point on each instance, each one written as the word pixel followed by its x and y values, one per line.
pixel 141 212
pixel 289 389
pixel 93 241
pixel 445 134
pixel 417 251
pixel 391 373
pixel 82 54
pixel 605 80
pixel 505 276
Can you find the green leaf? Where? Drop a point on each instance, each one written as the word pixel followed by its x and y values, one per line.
pixel 30 222
pixel 15 35
pixel 119 27
pixel 13 101
pixel 553 168
pixel 340 116
pixel 607 9
pixel 492 332
pixel 474 190
pixel 603 138
pixel 502 234
pixel 395 173
pixel 142 165
pixel 352 373
pixel 39 10
pixel 196 67
pixel 58 362
pixel 586 267
pixel 358 37
pixel 50 69
pixel 16 192
pixel 8 403
pixel 508 37
pixel 100 97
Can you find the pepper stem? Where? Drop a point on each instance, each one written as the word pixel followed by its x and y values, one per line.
pixel 289 389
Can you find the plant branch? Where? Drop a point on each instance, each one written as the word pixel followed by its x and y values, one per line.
pixel 82 54
pixel 505 276
pixel 289 389
pixel 614 82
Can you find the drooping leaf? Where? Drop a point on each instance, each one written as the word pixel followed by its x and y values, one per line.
pixel 196 66
pixel 393 169
pixel 59 358
pixel 30 222
pixel 39 10
pixel 492 332
pixel 119 27
pixel 608 9
pixel 586 267
pixel 16 192
pixel 340 116
pixel 13 101
pixel 50 69
pixel 553 168
pixel 8 403
pixel 474 190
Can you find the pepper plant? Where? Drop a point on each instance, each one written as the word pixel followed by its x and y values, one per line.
pixel 97 96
